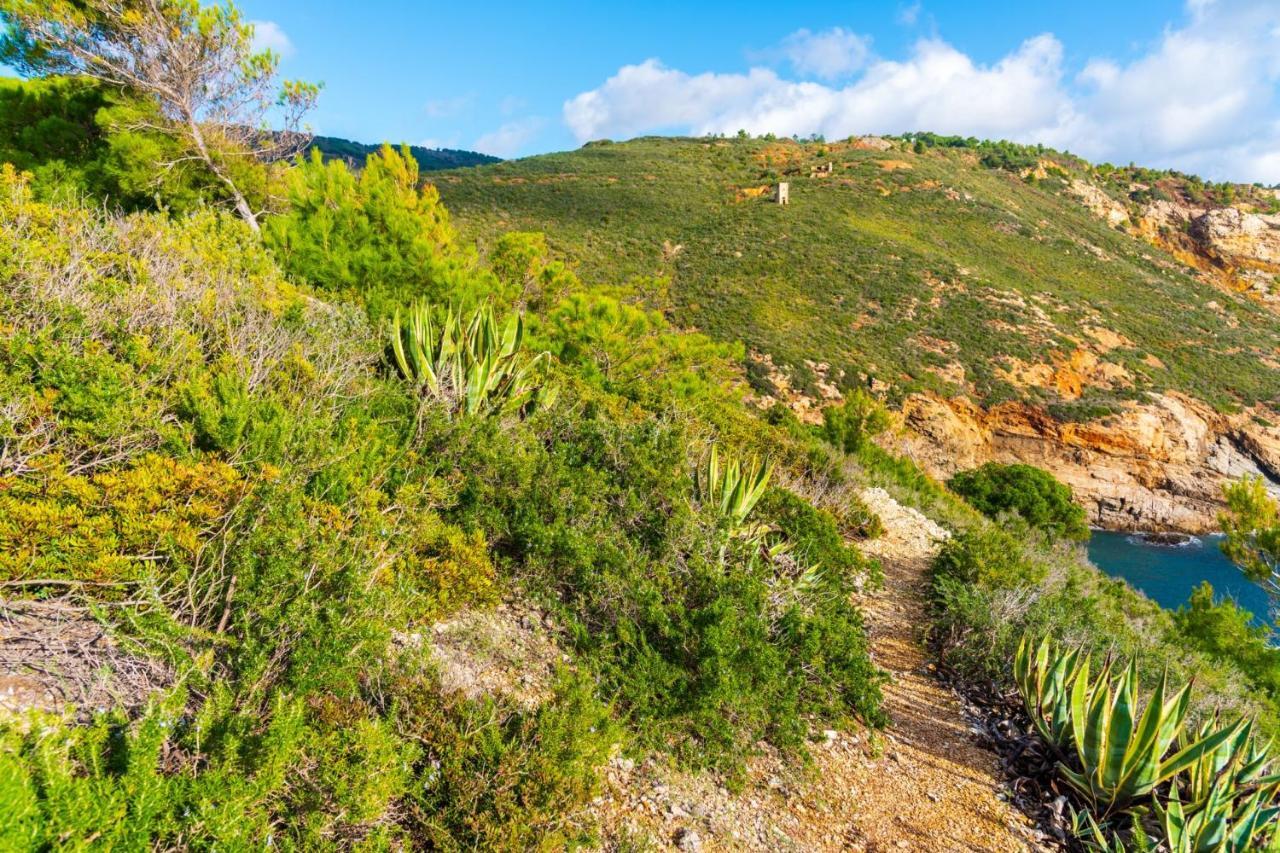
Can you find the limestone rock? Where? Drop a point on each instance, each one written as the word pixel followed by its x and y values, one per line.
pixel 1159 464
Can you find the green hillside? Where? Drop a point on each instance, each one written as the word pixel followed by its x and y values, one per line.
pixel 896 265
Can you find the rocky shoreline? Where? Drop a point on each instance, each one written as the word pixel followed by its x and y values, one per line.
pixel 1158 465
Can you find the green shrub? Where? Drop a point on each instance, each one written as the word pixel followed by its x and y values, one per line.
pixel 812 533
pixel 1031 493
pixel 854 422
pixel 496 776
pixel 990 556
pixel 635 352
pixel 1226 632
pixel 376 235
pixel 703 655
pixel 120 784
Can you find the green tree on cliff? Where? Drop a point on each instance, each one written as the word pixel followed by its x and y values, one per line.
pixel 1252 527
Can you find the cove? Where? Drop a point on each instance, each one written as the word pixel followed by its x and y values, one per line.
pixel 1167 574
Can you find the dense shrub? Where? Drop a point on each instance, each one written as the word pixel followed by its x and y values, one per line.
pixel 989 556
pixel 983 603
pixel 635 352
pixel 702 656
pixel 120 784
pixel 377 235
pixel 812 533
pixel 1227 632
pixel 850 425
pixel 492 775
pixel 1029 492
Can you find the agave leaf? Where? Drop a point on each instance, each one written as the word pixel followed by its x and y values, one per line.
pixel 1190 754
pixel 1119 731
pixel 1141 758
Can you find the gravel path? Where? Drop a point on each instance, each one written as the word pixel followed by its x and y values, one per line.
pixel 923 784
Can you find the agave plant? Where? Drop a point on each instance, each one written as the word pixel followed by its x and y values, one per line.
pixel 1224 823
pixel 476 368
pixel 1103 839
pixel 734 488
pixel 1123 755
pixel 1044 679
pixel 1240 762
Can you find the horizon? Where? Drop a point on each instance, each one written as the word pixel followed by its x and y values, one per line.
pixel 1189 86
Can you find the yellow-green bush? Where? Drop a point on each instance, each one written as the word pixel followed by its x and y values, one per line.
pixel 110 526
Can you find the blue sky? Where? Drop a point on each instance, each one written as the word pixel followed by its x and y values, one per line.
pixel 455 72
pixel 1190 84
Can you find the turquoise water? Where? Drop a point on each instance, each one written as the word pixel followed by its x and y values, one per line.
pixel 1168 574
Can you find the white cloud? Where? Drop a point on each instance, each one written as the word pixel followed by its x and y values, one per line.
pixel 438 142
pixel 268 35
pixel 831 54
pixel 908 15
pixel 511 104
pixel 938 87
pixel 510 138
pixel 1204 97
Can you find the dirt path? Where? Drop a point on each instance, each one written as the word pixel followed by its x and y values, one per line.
pixel 923 784
pixel 944 791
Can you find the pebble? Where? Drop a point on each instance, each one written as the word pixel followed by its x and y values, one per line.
pixel 688 840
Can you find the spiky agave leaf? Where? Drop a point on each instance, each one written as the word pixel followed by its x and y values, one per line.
pixel 1224 822
pixel 732 487
pixel 1044 679
pixel 470 364
pixel 1122 755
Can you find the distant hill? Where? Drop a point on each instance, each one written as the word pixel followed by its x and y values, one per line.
pixel 1117 326
pixel 943 265
pixel 429 159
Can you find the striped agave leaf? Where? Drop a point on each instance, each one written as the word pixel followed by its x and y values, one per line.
pixel 476 368
pixel 1122 754
pixel 1044 678
pixel 1241 761
pixel 1224 822
pixel 734 488
pixel 1095 837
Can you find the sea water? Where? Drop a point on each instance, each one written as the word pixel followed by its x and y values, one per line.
pixel 1168 573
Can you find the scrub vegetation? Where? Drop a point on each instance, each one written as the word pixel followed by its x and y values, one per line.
pixel 268 422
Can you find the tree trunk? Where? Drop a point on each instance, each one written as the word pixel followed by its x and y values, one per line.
pixel 241 203
pixel 246 212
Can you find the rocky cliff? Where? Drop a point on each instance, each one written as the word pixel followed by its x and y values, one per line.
pixel 1236 247
pixel 1154 465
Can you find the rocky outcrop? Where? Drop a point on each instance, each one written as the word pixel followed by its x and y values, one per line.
pixel 1100 203
pixel 1234 247
pixel 1238 237
pixel 1159 465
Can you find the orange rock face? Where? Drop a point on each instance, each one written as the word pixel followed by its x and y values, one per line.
pixel 1155 465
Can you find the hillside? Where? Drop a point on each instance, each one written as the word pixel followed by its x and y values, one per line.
pixel 335 532
pixel 1015 303
pixel 429 159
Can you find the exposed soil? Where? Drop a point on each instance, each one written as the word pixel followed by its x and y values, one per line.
pixel 925 783
pixel 56 657
pixel 509 651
